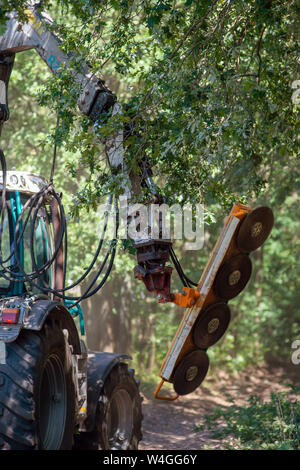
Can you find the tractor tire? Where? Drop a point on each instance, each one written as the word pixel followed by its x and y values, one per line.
pixel 37 393
pixel 118 415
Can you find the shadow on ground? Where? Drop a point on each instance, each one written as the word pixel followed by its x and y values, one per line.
pixel 170 425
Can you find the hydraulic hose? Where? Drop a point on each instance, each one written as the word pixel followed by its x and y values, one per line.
pixel 18 274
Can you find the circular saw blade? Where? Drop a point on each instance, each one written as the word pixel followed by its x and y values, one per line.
pixel 190 372
pixel 211 325
pixel 233 276
pixel 255 229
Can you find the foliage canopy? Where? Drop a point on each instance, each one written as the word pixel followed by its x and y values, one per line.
pixel 207 87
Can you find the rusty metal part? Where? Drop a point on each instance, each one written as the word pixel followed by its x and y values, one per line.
pixel 255 229
pixel 153 251
pixel 233 276
pixel 157 279
pixel 211 325
pixel 187 298
pixel 152 256
pixel 190 372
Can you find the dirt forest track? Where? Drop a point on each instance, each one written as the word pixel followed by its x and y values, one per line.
pixel 170 425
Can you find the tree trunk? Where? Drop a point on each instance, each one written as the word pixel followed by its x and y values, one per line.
pixel 151 342
pixel 97 312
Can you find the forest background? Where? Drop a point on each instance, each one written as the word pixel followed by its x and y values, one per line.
pixel 211 87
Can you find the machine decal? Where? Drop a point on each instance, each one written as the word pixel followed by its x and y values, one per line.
pixel 35 22
pixel 53 63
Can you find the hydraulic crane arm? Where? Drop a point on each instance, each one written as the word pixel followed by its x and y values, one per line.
pixel 95 98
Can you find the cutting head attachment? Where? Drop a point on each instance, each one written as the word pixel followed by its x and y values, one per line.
pixel 190 372
pixel 233 276
pixel 255 229
pixel 211 325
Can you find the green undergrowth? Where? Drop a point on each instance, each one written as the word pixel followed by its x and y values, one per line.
pixel 259 425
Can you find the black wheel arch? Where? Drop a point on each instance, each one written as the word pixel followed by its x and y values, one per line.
pixel 42 309
pixel 100 365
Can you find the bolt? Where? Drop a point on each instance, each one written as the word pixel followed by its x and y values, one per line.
pixel 184 292
pixel 159 296
pixel 192 302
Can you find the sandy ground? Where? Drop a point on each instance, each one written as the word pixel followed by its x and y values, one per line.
pixel 170 425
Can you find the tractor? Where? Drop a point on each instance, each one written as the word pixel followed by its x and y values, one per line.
pixel 54 393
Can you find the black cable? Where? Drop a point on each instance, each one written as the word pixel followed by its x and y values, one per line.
pixel 59 292
pixel 33 205
pixel 185 280
pixel 178 269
